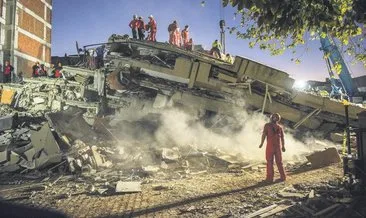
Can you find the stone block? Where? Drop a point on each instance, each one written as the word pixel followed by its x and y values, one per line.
pixel 6 122
pixel 324 158
pixel 336 137
pixel 128 187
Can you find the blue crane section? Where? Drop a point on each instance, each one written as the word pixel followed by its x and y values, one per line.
pixel 332 53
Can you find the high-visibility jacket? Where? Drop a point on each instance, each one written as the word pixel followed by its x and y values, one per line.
pixel 229 59
pixel 216 45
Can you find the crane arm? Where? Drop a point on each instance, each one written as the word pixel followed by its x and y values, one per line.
pixel 331 50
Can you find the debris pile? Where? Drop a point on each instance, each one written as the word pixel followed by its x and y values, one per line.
pixel 25 145
pixel 327 199
pixel 43 94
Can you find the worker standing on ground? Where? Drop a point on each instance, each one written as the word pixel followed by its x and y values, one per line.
pixel 8 71
pixel 133 25
pixel 275 138
pixel 153 29
pixel 36 70
pixel 172 29
pixel 141 28
pixel 216 48
pixel 56 71
pixel 185 36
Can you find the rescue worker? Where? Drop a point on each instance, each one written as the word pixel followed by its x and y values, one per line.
pixel 178 38
pixel 172 29
pixel 275 143
pixel 216 48
pixel 229 59
pixel 133 25
pixel 37 70
pixel 99 56
pixel 189 45
pixel 8 71
pixel 141 28
pixel 57 70
pixel 185 36
pixel 43 70
pixel 153 28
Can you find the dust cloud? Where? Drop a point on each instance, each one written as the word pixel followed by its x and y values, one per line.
pixel 174 128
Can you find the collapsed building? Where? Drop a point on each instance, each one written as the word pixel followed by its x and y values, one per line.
pixel 51 128
pixel 168 74
pixel 140 74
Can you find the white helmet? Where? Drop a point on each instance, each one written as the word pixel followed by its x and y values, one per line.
pixel 151 16
pixel 134 16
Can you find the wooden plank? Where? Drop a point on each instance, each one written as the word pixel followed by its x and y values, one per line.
pixel 261 211
pixel 326 210
pixel 276 210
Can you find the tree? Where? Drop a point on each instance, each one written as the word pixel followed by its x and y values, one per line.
pixel 277 25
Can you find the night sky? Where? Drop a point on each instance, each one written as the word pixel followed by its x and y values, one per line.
pixel 93 21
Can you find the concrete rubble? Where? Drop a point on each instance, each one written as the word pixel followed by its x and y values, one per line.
pixel 67 130
pixel 315 200
pixel 324 158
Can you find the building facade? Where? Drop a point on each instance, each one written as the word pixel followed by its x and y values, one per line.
pixel 25 33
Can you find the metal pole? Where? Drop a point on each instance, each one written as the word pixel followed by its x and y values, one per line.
pixel 265 99
pixel 222 35
pixel 348 129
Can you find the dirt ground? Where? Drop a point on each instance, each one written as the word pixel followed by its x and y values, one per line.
pixel 202 195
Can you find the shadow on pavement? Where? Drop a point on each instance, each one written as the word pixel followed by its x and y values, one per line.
pixel 187 201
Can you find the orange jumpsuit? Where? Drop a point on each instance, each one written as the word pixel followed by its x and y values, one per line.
pixel 153 28
pixel 274 133
pixel 185 37
pixel 177 40
pixel 172 33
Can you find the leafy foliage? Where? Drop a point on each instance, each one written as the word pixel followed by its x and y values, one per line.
pixel 277 25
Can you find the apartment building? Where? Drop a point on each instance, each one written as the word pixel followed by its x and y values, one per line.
pixel 25 33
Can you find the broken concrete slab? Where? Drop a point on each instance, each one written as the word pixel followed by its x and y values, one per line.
pixel 98 160
pixel 170 154
pixel 44 140
pixel 14 158
pixel 3 156
pixel 22 149
pixel 5 141
pixel 41 158
pixel 38 100
pixel 70 123
pixel 128 187
pixel 160 101
pixel 7 122
pixel 30 154
pixel 336 137
pixel 9 168
pixel 151 169
pixel 324 158
pixel 30 165
pixel 35 127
